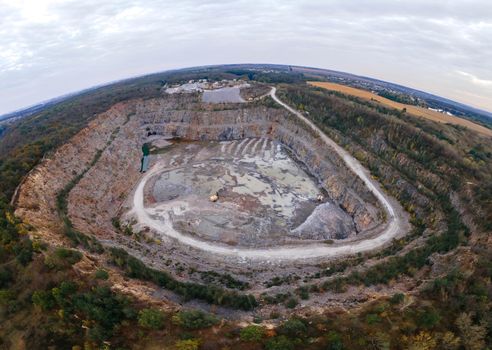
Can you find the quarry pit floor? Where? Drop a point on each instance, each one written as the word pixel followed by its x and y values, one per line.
pixel 263 197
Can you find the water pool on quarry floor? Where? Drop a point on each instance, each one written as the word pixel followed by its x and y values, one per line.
pixel 265 198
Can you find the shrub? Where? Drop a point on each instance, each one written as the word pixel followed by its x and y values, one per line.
pixel 188 344
pixel 194 319
pixel 211 294
pixel 43 299
pixel 63 292
pixel 105 310
pixel 293 328
pixel 6 277
pixel 334 341
pixel 252 333
pixel 116 223
pixel 372 319
pixel 62 258
pixel 151 318
pixel 6 296
pixel 291 303
pixel 303 292
pixel 279 343
pixel 101 274
pixel 428 319
pixel 23 252
pixel 397 298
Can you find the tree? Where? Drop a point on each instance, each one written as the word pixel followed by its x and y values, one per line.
pixel 43 299
pixel 397 298
pixel 279 343
pixel 252 333
pixel 428 318
pixel 449 341
pixel 194 319
pixel 188 344
pixel 334 341
pixel 421 341
pixel 472 335
pixel 101 274
pixel 151 318
pixel 291 303
pixel 293 328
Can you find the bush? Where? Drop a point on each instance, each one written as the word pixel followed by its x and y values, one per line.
pixel 293 328
pixel 62 258
pixel 151 318
pixel 372 319
pixel 291 303
pixel 252 333
pixel 104 308
pixel 23 252
pixel 43 299
pixel 334 341
pixel 5 277
pixel 279 343
pixel 116 223
pixel 428 319
pixel 6 296
pixel 188 344
pixel 194 319
pixel 304 292
pixel 397 298
pixel 211 294
pixel 101 274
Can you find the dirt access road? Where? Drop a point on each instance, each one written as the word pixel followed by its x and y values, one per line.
pixel 396 225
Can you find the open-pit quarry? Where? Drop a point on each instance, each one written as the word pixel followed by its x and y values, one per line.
pixel 244 186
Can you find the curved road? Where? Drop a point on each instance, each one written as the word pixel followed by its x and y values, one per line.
pixel 396 223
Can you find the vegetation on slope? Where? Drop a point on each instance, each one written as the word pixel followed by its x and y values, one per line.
pixel 44 302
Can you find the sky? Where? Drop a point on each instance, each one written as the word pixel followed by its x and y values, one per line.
pixel 49 47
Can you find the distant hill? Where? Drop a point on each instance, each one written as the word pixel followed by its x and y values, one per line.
pixel 379 86
pixel 277 73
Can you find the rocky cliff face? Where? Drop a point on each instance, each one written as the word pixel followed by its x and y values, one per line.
pixel 36 203
pixel 119 134
pixel 204 122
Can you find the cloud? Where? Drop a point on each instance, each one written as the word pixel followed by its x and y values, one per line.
pixel 51 47
pixel 474 79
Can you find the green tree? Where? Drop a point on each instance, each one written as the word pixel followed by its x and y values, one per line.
pixel 291 303
pixel 151 318
pixel 43 299
pixel 293 328
pixel 472 335
pixel 101 274
pixel 334 341
pixel 194 319
pixel 279 343
pixel 252 333
pixel 188 344
pixel 397 298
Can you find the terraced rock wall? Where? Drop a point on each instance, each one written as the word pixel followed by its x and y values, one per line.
pixel 121 131
pixel 202 122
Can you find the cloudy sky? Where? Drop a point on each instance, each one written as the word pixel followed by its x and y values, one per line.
pixel 49 47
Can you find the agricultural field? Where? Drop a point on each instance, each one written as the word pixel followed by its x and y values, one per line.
pixel 413 110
